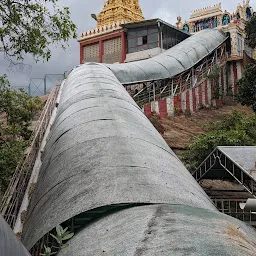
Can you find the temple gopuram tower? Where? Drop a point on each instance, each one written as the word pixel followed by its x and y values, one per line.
pixel 119 11
pixel 107 42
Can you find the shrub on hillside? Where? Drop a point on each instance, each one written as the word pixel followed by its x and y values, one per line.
pixel 17 110
pixel 233 130
pixel 156 121
pixel 247 87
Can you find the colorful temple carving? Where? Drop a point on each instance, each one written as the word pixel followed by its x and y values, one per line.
pixel 115 11
pixel 212 17
pixel 231 23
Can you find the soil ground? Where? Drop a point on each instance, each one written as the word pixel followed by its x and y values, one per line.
pixel 180 130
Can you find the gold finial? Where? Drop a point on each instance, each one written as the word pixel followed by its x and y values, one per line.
pixel 119 10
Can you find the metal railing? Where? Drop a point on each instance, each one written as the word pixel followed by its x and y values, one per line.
pixel 160 89
pixel 231 207
pixel 15 192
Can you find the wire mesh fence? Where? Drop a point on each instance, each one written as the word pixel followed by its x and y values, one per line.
pixel 43 86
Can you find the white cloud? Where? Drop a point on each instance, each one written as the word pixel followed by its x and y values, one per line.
pixel 166 15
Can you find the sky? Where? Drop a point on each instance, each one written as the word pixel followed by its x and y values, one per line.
pixel 81 10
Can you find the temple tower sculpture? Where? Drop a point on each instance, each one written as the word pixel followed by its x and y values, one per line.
pixel 119 11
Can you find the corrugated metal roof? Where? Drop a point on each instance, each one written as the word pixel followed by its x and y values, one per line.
pixel 245 157
pixel 172 62
pixel 9 243
pixel 142 23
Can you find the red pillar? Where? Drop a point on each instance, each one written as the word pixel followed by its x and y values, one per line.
pixel 212 92
pixel 200 94
pixel 235 77
pixel 81 53
pixel 162 107
pixel 187 100
pixel 177 104
pixel 124 46
pixel 101 45
pixel 194 99
pixel 147 110
pixel 206 92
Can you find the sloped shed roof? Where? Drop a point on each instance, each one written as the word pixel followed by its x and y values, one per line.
pixel 244 157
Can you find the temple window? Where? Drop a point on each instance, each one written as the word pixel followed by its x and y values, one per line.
pixel 142 39
pixel 248 13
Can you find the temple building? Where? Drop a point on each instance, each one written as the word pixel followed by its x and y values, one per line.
pixel 122 35
pixel 213 17
pixel 231 23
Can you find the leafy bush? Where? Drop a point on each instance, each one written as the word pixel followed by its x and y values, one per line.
pixel 233 130
pixel 250 30
pixel 17 110
pixel 60 237
pixel 247 87
pixel 10 154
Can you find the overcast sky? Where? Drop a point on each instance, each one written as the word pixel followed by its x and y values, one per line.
pixel 61 61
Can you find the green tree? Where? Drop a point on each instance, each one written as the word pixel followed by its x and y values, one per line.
pixel 10 155
pixel 30 26
pixel 247 87
pixel 26 27
pixel 233 130
pixel 17 110
pixel 250 30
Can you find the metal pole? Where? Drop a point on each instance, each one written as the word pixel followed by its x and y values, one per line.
pixel 149 93
pixel 45 85
pixel 154 91
pixel 161 35
pixel 193 76
pixel 29 88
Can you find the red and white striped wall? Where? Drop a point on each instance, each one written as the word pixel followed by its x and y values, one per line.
pixel 195 98
pixel 187 101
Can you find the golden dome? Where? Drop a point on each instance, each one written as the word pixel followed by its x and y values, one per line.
pixel 118 11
